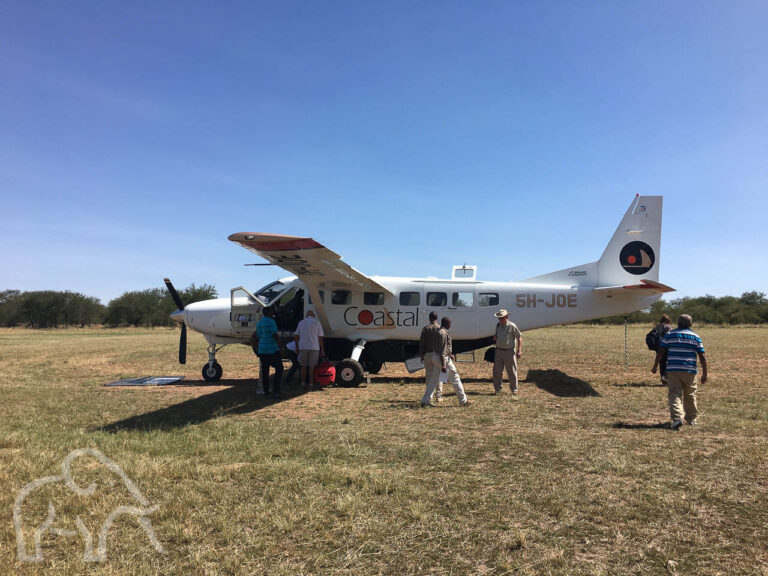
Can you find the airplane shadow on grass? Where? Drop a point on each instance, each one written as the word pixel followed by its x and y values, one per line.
pixel 559 384
pixel 239 398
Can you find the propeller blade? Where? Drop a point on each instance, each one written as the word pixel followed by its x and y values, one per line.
pixel 174 295
pixel 183 345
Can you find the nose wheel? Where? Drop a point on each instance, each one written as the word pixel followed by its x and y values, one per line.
pixel 212 372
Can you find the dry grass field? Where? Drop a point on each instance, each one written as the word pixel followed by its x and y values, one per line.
pixel 579 474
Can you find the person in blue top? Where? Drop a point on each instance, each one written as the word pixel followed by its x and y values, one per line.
pixel 267 345
pixel 681 347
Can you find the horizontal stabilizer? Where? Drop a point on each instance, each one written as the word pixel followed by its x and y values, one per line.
pixel 648 286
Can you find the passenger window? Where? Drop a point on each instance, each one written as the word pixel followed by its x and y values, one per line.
pixel 373 298
pixel 341 297
pixel 463 299
pixel 488 299
pixel 409 298
pixel 437 298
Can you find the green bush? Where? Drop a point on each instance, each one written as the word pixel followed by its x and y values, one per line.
pixel 750 308
pixel 51 308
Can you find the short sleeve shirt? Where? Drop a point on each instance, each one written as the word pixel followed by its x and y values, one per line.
pixel 265 331
pixel 506 336
pixel 682 346
pixel 309 332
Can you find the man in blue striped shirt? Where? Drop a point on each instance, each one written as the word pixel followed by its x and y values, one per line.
pixel 681 347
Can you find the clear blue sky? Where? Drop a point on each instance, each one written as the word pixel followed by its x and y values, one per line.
pixel 406 136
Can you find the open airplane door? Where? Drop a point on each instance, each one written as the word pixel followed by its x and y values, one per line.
pixel 246 310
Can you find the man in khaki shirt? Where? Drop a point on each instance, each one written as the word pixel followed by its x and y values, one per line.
pixel 430 359
pixel 507 334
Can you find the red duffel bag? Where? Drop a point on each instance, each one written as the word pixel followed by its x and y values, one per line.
pixel 325 374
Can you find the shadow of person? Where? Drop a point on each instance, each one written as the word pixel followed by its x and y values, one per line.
pixel 419 380
pixel 232 400
pixel 639 425
pixel 639 385
pixel 400 379
pixel 559 384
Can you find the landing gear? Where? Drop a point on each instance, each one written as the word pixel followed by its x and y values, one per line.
pixel 349 373
pixel 373 366
pixel 212 370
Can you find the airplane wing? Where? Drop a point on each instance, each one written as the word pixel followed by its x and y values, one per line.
pixel 648 286
pixel 312 262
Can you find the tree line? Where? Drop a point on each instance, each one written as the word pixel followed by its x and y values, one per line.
pixel 152 307
pixel 53 309
pixel 749 308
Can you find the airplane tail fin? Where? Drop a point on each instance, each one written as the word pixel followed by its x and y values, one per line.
pixel 631 257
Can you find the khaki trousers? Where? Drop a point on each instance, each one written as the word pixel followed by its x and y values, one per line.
pixel 682 395
pixel 432 367
pixel 505 359
pixel 454 380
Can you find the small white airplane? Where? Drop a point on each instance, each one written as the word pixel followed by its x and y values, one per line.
pixel 369 320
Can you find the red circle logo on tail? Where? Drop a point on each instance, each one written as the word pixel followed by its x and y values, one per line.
pixel 637 258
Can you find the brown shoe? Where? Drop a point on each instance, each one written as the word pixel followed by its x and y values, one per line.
pixel 466 404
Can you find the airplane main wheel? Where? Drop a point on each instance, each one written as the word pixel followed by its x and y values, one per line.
pixel 349 373
pixel 212 372
pixel 372 366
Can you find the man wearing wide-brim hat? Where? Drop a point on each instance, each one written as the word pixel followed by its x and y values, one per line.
pixel 506 336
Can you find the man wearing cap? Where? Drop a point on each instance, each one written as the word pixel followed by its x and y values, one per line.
pixel 506 357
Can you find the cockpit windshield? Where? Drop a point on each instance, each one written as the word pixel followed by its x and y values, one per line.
pixel 270 292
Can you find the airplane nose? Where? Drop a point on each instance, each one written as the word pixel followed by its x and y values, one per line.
pixel 179 316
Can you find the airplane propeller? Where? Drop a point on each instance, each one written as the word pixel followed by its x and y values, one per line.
pixel 180 305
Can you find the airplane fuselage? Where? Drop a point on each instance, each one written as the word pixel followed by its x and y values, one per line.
pixel 400 316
